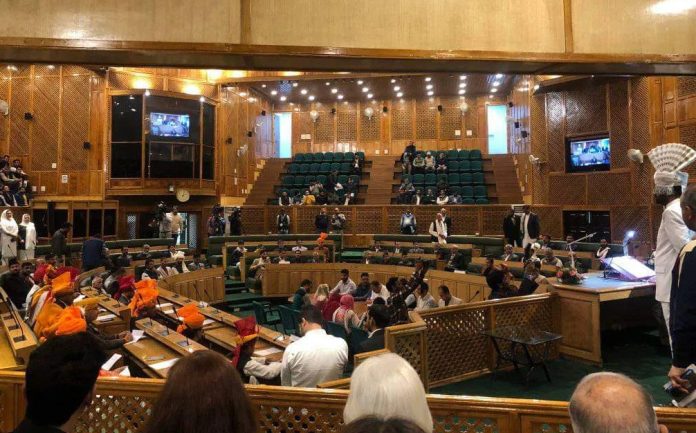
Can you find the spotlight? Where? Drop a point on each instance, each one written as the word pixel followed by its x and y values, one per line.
pixel 274 92
pixel 427 79
pixel 283 98
pixel 303 91
pixel 399 95
pixel 334 90
pixel 365 89
pixel 397 88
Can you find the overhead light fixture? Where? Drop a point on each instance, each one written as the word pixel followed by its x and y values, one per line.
pixel 51 67
pixel 202 99
pixel 393 81
pixel 496 83
pixel 429 86
pixel 328 83
pixel 462 85
pixel 493 90
pixel 369 95
pixel 263 85
pixel 311 97
pixel 498 76
pixel 339 96
pixel 399 95
pixel 397 88
pixel 427 79
pixel 365 89
pixel 274 92
pixel 490 96
pixel 431 93
pixel 314 115
pixel 360 82
pixel 536 87
pixel 461 92
pixel 283 98
pixel 303 91
pixel 294 84
pixel 147 92
pixel 462 77
pixel 242 94
pixel 672 7
pixel 334 90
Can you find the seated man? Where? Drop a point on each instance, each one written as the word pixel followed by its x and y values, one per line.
pixel 604 251
pixel 509 255
pixel 377 320
pixel 345 286
pixel 144 254
pixel 362 290
pixel 196 264
pixel 532 279
pixel 404 260
pixel 378 290
pixel 191 322
pixel 252 369
pixel 417 198
pixel 550 259
pixel 316 357
pixel 429 162
pixel 237 254
pixel 297 257
pixel 149 271
pixel 441 163
pixel 406 189
pixel 419 163
pixel 424 300
pixel 21 197
pixel 124 259
pixel 179 266
pixel 16 285
pixel 308 199
pixel 446 298
pixel 546 241
pixel 456 260
pixel 282 258
pixel 284 199
pixel 500 282
pixel 301 296
pixel 299 247
pixel 60 383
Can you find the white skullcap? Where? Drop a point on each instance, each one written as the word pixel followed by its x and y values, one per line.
pixel 535 246
pixel 179 255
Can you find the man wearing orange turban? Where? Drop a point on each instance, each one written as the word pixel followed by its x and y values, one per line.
pixel 144 299
pixel 50 303
pixel 248 366
pixel 107 342
pixel 192 326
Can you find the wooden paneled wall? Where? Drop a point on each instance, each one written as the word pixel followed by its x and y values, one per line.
pixel 349 129
pixel 66 103
pixel 675 114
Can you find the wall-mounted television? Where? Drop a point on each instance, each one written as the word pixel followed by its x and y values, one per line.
pixel 170 125
pixel 585 154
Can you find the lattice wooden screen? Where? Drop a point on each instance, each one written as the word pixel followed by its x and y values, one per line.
pixel 4 95
pixel 586 110
pixel 450 121
pixel 370 129
pixel 555 111
pixel 686 86
pixel 609 189
pixel 471 120
pixel 324 128
pixel 640 139
pixel 75 117
pixel 539 148
pixel 618 123
pixel 253 220
pixel 346 125
pixel 301 124
pixel 566 189
pixel 551 220
pixel 492 221
pixel 465 220
pixel 368 219
pixel 46 120
pixel 426 118
pixel 628 218
pixel 19 127
pixel 402 117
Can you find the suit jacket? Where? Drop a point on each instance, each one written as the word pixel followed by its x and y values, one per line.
pixel 511 227
pixel 533 226
pixel 376 342
pixel 682 320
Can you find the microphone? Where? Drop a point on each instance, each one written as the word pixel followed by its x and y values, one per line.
pixel 475 295
pixel 162 311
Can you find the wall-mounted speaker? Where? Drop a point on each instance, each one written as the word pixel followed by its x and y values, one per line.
pixel 510 104
pixel 28 116
pixel 86 145
pixel 524 133
pixel 385 110
pixel 333 111
pixel 229 140
pixel 439 108
pixel 250 134
pixel 263 112
pixel 517 125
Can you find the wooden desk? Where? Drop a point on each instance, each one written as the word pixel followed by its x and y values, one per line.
pixel 19 337
pixel 143 351
pixel 109 307
pixel 581 321
pixel 518 266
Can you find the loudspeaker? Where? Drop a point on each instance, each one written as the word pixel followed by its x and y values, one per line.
pixel 263 112
pixel 333 111
pixel 510 104
pixel 250 134
pixel 524 133
pixel 229 140
pixel 86 145
pixel 28 116
pixel 385 109
pixel 439 108
pixel 517 125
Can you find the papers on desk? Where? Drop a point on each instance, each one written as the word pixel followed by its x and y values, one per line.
pixel 266 352
pixel 108 365
pixel 79 298
pixel 137 334
pixel 125 372
pixel 106 318
pixel 208 322
pixel 165 305
pixel 294 338
pixel 164 364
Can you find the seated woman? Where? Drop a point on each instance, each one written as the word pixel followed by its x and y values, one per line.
pixel 252 369
pixel 332 304
pixel 320 297
pixel 345 314
pixel 500 282
pixel 441 163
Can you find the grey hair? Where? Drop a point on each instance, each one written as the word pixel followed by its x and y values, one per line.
pixel 610 402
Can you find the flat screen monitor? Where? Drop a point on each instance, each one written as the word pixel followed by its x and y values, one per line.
pixel 170 125
pixel 588 154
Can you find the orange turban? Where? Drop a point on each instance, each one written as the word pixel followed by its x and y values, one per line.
pixel 70 322
pixel 61 285
pixel 87 303
pixel 146 294
pixel 191 316
pixel 322 238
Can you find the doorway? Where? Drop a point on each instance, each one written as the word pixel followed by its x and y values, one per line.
pixel 497 129
pixel 282 134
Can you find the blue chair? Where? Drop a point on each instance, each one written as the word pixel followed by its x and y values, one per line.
pixel 342 179
pixel 430 179
pixel 468 200
pixel 317 157
pixel 321 178
pixel 345 167
pixel 452 155
pixel 289 318
pixel 442 178
pixel 294 168
pixel 468 192
pixel 336 166
pixel 357 336
pixel 310 179
pixel 418 179
pixel 355 178
pixel 337 330
pixel 299 157
pixel 265 315
pixel 305 168
pixel 361 155
pixel 288 180
pixel 452 166
pixel 480 191
pixel 476 166
pixel 465 179
pixel 315 167
pixel 482 201
pixel 348 156
pixel 328 157
pixel 464 154
pixel 299 181
pixel 325 167
pixel 453 179
pixel 465 166
pixel 455 190
pixel 475 155
pixel 478 179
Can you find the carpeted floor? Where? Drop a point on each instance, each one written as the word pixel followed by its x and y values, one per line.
pixel 636 353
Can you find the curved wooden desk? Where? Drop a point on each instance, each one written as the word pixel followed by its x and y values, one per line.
pixel 581 318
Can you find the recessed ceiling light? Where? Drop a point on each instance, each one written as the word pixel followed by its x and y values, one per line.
pixel 369 95
pixel 393 81
pixel 431 100
pixel 51 67
pixel 274 92
pixel 462 85
pixel 429 86
pixel 462 91
pixel 490 96
pixel 311 97
pixel 360 82
pixel 397 88
pixel 303 91
pixel 498 75
pixel 283 98
pixel 402 101
pixel 496 83
pixel 365 89
pixel 462 77
pixel 536 87
pixel 428 79
pixel 431 93
pixel 493 90
pixel 399 95
pixel 345 102
pixel 294 84
pixel 334 90
pixel 243 94
pixel 292 104
pixel 263 85
pixel 340 96
pixel 147 93
pixel 328 83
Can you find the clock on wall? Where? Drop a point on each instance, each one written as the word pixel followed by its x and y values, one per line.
pixel 182 195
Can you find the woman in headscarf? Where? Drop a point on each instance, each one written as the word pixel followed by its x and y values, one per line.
pixel 27 233
pixel 9 234
pixel 331 306
pixel 345 314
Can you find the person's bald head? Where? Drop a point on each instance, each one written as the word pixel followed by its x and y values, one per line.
pixel 611 402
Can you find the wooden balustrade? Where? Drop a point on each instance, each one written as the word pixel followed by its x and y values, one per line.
pixel 128 402
pixel 206 285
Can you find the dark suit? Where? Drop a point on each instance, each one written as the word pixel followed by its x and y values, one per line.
pixel 376 342
pixel 511 230
pixel 533 225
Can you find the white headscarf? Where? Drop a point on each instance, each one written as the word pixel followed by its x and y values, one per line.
pixel 9 225
pixel 30 237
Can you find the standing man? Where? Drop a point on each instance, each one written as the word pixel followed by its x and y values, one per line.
pixel 672 235
pixel 283 222
pixel 438 230
pixel 511 228
pixel 236 222
pixel 682 301
pixel 447 219
pixel 165 226
pixel 408 223
pixel 93 252
pixel 177 223
pixel 529 226
pixel 338 221
pixel 59 242
pixel 321 221
pixel 345 285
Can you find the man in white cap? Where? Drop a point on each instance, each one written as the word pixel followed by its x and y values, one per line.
pixel 672 235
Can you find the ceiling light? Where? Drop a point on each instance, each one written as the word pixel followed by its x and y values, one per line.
pixel 242 94
pixel 340 96
pixel 536 87
pixel 263 85
pixel 399 95
pixel 369 95
pixel 365 89
pixel 202 99
pixel 51 67
pixel 334 90
pixel 496 83
pixel 672 7
pixel 311 97
pixel 493 90
pixel 498 76
pixel 274 92
pixel 462 85
pixel 397 88
pixel 462 91
pixel 462 77
pixel 393 81
pixel 294 84
pixel 431 93
pixel 360 82
pixel 283 98
pixel 303 91
pixel 427 79
pixel 490 96
pixel 328 83
pixel 147 93
pixel 429 86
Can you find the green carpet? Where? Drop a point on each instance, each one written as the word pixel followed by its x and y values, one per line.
pixel 635 353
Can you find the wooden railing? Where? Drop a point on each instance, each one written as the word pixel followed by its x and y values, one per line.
pixel 124 404
pixel 206 285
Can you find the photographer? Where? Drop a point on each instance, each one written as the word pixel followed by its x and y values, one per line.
pixel 236 222
pixel 216 222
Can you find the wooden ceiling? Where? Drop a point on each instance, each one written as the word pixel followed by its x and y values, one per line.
pixel 391 87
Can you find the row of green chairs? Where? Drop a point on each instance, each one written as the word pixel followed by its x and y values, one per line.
pixel 327 156
pixel 456 155
pixel 450 179
pixel 293 192
pixel 464 166
pixel 319 167
pixel 300 180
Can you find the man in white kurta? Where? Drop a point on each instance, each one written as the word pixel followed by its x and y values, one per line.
pixel 438 230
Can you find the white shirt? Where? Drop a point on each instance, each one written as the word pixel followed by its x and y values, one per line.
pixel 313 359
pixel 602 253
pixel 671 238
pixel 299 248
pixel 552 262
pixel 383 293
pixel 442 200
pixel 256 368
pixel 425 302
pixel 438 228
pixel 453 301
pixel 177 222
pixel 347 288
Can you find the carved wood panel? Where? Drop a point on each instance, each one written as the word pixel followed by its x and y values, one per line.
pixel 368 220
pixel 75 116
pixel 346 125
pixel 539 147
pixel 450 121
pixel 426 118
pixel 567 189
pixel 45 131
pixel 4 120
pixel 324 128
pixel 556 131
pixel 370 129
pixel 686 86
pixel 492 220
pixel 401 121
pixel 20 102
pixel 551 220
pixel 628 218
pixel 586 109
pixel 609 189
pixel 618 123
pixel 301 124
